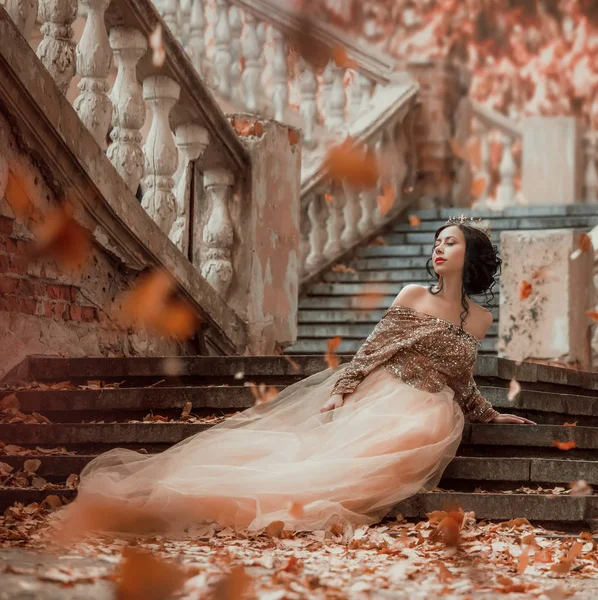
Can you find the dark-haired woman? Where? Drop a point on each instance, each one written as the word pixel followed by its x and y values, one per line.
pixel 340 447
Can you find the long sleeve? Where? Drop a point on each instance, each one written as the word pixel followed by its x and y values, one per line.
pixel 397 330
pixel 475 407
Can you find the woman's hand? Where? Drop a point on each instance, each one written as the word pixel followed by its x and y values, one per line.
pixel 335 401
pixel 511 419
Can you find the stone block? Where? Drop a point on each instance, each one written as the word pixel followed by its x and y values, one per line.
pixel 552 160
pixel 546 288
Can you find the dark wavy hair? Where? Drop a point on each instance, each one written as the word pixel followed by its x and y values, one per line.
pixel 480 269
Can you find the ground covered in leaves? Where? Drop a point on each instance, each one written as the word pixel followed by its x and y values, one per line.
pixel 449 555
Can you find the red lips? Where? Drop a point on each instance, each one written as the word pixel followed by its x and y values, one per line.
pixel 439 260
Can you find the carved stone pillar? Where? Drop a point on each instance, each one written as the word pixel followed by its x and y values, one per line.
pixel 327 79
pixel 334 226
pixel 234 20
pixel 57 50
pixel 160 152
pixel 352 212
pixel 280 75
pixel 338 98
pixel 196 46
pixel 218 234
pixel 304 242
pixel 251 46
pixel 94 59
pixel 191 140
pixel 367 90
pixel 308 85
pixel 356 95
pixel 505 193
pixel 170 16
pixel 184 21
pixel 317 234
pixel 23 13
pixel 128 113
pixel 222 49
pixel 368 202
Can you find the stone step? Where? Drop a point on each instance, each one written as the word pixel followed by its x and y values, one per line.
pixel 511 211
pixel 563 509
pixel 388 263
pixel 318 346
pixel 499 224
pixel 403 251
pixel 475 434
pixel 462 468
pixel 370 317
pixel 379 275
pixel 358 332
pixel 348 302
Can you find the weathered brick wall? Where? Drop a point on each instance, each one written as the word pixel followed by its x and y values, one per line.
pixel 46 310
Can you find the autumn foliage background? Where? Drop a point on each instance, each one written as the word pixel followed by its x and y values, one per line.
pixel 526 57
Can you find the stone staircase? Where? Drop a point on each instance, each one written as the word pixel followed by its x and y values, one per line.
pixel 493 459
pixel 349 304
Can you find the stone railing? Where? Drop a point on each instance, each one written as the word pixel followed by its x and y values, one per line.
pixel 244 51
pixel 190 153
pixel 543 160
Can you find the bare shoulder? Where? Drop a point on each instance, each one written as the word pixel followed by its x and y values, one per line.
pixel 410 295
pixel 480 320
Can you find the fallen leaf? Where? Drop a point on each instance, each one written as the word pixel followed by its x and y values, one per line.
pixel 386 201
pixel 570 424
pixel 274 529
pixel 580 488
pixel 523 561
pixel 186 410
pixel 514 390
pixel 342 269
pixel 142 576
pixel 32 465
pixel 331 358
pixel 232 586
pixel 564 445
pixel 157 45
pixel 10 401
pixel 525 289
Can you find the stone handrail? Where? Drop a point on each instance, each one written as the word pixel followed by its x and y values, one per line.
pixel 187 129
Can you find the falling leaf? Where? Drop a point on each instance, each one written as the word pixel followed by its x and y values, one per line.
pixel 16 196
pixel 564 445
pixel 342 269
pixel 386 201
pixel 593 314
pixel 307 45
pixel 177 320
pixel 414 221
pixel 232 586
pixel 294 136
pixel 514 390
pixel 580 488
pixel 296 510
pixel 262 393
pixel 296 367
pixel 478 186
pixel 60 237
pixel 142 576
pixel 525 289
pixel 350 164
pixel 144 303
pixel 328 197
pixel 585 245
pixel 331 358
pixel 157 45
pixel 339 56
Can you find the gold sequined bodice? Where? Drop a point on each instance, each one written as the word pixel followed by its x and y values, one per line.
pixel 424 351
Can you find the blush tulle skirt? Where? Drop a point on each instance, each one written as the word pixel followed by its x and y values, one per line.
pixel 281 461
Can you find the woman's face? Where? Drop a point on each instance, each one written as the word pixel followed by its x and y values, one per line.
pixel 448 255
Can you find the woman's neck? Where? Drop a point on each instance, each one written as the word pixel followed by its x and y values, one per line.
pixel 451 290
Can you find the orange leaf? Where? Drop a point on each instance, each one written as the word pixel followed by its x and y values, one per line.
pixel 294 136
pixel 525 289
pixel 585 243
pixel 386 201
pixel 331 358
pixel 564 445
pixel 142 576
pixel 523 561
pixel 274 529
pixel 353 165
pixel 16 196
pixel 593 314
pixel 178 320
pixel 63 239
pixel 296 510
pixel 478 185
pixel 414 221
pixel 293 364
pixel 328 197
pixel 339 55
pixel 570 424
pixel 233 586
pixel 143 304
pixel 338 268
pixel 307 45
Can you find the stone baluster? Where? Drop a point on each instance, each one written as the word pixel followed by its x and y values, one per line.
pixel 308 85
pixel 128 113
pixel 505 193
pixel 218 234
pixel 368 201
pixel 191 140
pixel 170 16
pixel 327 80
pixel 57 49
pixel 356 95
pixel 251 45
pixel 377 215
pixel 94 59
pixel 367 90
pixel 317 234
pixel 161 93
pixel 23 13
pixel 334 225
pixel 481 132
pixel 222 49
pixel 196 45
pixel 304 242
pixel 590 174
pixel 184 15
pixel 236 27
pixel 338 98
pixel 280 75
pixel 352 213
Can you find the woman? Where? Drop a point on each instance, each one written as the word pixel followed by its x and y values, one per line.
pixel 342 446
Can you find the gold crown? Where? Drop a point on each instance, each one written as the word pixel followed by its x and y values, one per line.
pixel 477 223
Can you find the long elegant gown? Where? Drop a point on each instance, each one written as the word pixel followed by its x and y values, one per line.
pixel 407 390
